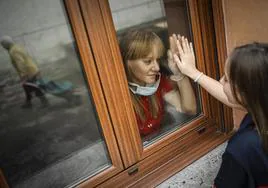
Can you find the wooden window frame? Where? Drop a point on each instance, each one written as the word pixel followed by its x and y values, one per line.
pixel 91 73
pixel 172 152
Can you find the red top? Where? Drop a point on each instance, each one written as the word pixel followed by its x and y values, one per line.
pixel 151 124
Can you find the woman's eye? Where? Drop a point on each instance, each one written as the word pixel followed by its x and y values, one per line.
pixel 147 61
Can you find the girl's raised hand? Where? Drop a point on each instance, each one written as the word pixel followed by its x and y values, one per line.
pixel 185 59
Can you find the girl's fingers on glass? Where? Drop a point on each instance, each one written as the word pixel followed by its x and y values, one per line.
pixel 191 47
pixel 179 37
pixel 184 47
pixel 180 48
pixel 187 45
pixel 174 37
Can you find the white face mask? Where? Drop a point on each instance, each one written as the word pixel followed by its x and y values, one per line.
pixel 144 90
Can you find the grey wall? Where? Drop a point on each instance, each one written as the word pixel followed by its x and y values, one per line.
pixel 38 25
pixel 127 13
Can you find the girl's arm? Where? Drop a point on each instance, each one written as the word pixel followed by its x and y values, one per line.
pixel 186 64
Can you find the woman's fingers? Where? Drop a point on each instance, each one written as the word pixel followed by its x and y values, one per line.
pixel 177 60
pixel 169 53
pixel 172 44
pixel 174 38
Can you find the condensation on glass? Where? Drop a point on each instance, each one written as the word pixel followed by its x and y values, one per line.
pixel 164 18
pixel 49 131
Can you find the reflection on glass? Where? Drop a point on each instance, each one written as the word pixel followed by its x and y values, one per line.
pixel 49 131
pixel 162 97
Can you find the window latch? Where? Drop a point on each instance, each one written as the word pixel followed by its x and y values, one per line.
pixel 201 130
pixel 133 170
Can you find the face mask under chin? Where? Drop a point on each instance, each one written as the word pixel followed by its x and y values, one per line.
pixel 144 90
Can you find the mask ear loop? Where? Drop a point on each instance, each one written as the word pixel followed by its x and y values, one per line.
pixel 133 87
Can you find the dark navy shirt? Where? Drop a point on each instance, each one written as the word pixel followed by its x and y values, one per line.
pixel 244 163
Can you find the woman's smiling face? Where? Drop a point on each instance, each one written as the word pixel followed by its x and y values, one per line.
pixel 145 70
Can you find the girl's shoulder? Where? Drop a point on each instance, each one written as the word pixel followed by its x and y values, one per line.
pixel 245 141
pixel 246 138
pixel 246 148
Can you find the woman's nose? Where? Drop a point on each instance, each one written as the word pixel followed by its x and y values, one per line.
pixel 156 66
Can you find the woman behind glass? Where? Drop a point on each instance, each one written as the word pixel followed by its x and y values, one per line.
pixel 141 51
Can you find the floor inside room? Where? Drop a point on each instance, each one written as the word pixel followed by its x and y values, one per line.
pixel 199 174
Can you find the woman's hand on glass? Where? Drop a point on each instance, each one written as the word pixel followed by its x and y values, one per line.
pixel 173 50
pixel 185 59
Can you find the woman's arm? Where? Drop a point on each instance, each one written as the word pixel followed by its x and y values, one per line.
pixel 183 98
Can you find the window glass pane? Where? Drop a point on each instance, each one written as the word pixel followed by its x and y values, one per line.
pixel 49 130
pixel 161 104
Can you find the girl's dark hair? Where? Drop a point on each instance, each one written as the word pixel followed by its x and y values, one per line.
pixel 248 73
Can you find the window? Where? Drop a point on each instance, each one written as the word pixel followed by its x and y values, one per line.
pixel 80 126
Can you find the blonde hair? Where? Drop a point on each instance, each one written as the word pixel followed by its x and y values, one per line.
pixel 138 44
